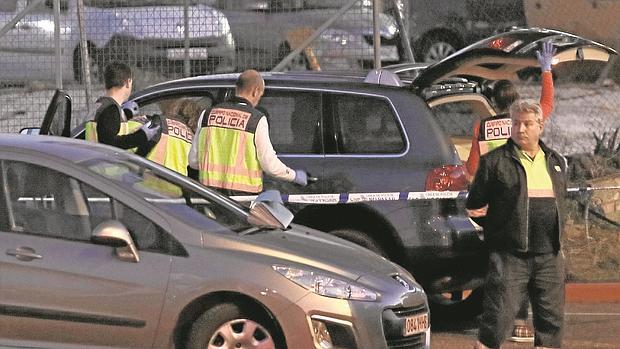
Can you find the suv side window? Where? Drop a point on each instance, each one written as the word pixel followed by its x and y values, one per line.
pixel 294 121
pixel 366 125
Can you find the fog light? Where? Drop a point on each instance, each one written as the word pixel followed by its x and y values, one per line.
pixel 322 339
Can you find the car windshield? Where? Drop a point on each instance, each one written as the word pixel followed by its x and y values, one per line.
pixel 171 193
pixel 136 3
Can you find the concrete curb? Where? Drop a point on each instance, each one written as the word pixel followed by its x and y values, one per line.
pixel 596 292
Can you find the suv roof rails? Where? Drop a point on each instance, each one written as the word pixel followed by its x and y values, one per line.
pixel 383 77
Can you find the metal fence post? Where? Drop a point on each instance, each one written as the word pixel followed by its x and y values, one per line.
pixel 84 54
pixel 58 69
pixel 376 11
pixel 399 7
pixel 186 67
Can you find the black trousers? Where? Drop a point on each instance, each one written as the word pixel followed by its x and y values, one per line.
pixel 509 278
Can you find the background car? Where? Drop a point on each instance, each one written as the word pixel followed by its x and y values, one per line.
pixel 365 133
pixel 114 30
pixel 106 249
pixel 347 41
pixel 438 28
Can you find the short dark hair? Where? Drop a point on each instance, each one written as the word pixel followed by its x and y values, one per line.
pixel 115 74
pixel 504 94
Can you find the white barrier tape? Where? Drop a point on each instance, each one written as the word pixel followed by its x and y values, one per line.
pixel 351 198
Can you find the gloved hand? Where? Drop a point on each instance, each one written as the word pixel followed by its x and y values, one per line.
pixel 151 130
pixel 301 178
pixel 545 58
pixel 131 109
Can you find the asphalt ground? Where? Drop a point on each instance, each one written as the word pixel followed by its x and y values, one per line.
pixel 592 320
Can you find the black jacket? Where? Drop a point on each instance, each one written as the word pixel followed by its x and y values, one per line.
pixel 500 182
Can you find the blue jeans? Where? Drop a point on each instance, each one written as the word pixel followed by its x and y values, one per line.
pixel 509 278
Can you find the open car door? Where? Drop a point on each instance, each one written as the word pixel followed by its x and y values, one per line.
pixel 57 120
pixel 504 55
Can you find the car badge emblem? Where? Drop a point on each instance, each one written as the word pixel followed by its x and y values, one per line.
pixel 402 281
pixel 180 28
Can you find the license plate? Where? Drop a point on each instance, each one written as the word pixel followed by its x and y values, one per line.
pixel 415 324
pixel 389 53
pixel 194 53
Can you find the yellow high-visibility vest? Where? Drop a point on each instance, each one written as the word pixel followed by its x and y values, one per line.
pixel 494 132
pixel 173 147
pixel 226 152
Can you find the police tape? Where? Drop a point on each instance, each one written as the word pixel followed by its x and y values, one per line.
pixel 352 198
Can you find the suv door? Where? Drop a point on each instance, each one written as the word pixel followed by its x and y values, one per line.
pixel 296 130
pixel 369 137
pixel 58 287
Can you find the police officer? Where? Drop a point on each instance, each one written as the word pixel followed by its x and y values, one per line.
pixel 231 147
pixel 172 148
pixel 109 124
pixel 493 132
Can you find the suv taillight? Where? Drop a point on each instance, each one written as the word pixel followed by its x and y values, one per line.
pixel 447 177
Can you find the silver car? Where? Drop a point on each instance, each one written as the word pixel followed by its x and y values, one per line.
pixel 146 33
pixel 267 31
pixel 105 249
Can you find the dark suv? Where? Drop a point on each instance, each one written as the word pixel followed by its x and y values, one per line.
pixel 361 133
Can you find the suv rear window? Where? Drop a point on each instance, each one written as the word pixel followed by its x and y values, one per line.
pixel 366 125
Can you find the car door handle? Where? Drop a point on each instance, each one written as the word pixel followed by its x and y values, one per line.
pixel 25 254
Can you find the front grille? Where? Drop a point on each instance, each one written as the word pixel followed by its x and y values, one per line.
pixel 393 322
pixel 402 312
pixel 413 342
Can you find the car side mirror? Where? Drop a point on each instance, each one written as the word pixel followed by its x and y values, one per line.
pixel 29 131
pixel 114 233
pixel 268 211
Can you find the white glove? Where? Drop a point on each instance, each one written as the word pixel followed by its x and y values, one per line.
pixel 150 130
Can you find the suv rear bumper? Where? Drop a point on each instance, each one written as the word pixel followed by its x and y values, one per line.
pixel 451 256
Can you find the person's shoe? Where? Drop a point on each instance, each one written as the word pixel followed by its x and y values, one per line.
pixel 521 334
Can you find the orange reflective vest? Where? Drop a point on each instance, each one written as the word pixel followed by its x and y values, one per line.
pixel 226 149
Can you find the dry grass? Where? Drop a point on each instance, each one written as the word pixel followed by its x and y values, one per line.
pixel 593 258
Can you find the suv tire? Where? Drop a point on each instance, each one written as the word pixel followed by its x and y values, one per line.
pixel 360 238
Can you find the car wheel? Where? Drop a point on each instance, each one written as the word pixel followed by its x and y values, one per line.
pixel 298 63
pixel 96 65
pixel 360 238
pixel 226 325
pixel 461 305
pixel 436 47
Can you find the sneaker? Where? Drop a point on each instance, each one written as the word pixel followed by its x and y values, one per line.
pixel 521 334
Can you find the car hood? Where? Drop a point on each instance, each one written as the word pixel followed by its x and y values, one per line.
pixel 167 22
pixel 503 55
pixel 303 246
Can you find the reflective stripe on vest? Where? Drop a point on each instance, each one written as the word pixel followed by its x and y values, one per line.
pixel 227 153
pixel 494 132
pixel 91 131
